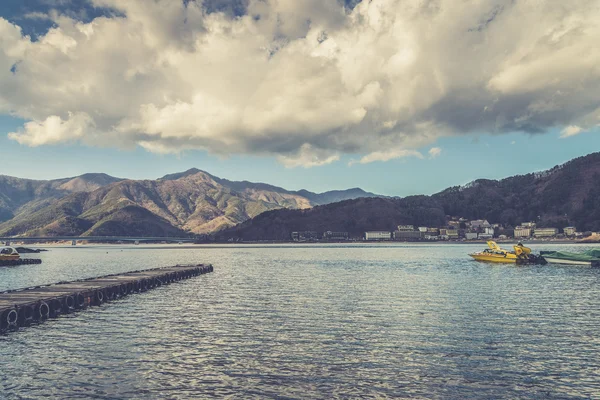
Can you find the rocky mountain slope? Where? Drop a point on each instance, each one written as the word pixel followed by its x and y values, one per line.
pixel 193 202
pixel 567 194
pixel 25 196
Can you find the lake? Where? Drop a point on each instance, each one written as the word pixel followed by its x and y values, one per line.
pixel 313 321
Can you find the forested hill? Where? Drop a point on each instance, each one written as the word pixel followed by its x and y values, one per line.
pixel 567 194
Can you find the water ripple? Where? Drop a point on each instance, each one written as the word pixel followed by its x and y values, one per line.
pixel 292 322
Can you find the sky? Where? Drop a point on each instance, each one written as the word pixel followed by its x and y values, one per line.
pixel 397 97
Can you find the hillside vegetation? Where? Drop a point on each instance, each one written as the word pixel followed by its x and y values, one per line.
pixel 565 195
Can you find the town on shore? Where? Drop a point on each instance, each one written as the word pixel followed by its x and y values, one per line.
pixel 457 229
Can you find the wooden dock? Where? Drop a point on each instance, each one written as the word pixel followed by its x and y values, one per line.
pixel 23 307
pixel 21 261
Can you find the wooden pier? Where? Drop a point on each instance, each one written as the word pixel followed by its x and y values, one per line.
pixel 23 307
pixel 21 261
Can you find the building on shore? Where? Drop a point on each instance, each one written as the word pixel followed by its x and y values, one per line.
pixel 408 235
pixel 570 231
pixel 452 234
pixel 522 232
pixel 304 236
pixel 545 232
pixel 471 235
pixel 453 224
pixel 480 224
pixel 488 230
pixel 329 235
pixel 423 229
pixel 378 235
pixel 406 228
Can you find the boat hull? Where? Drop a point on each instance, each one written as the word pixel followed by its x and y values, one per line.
pixel 567 262
pixel 487 258
pixel 10 257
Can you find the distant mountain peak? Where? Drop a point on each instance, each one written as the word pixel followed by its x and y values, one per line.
pixel 179 175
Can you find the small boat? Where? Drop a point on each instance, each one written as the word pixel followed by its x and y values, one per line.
pixel 495 254
pixel 520 255
pixel 590 258
pixel 8 254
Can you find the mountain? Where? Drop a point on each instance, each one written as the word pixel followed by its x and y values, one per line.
pixel 331 196
pixel 567 194
pixel 193 201
pixel 24 196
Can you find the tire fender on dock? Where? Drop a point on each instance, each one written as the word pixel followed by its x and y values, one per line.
pixel 11 317
pixel 69 302
pixel 42 311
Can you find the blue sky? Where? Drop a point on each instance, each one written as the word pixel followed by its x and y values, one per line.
pixel 462 160
pixel 142 120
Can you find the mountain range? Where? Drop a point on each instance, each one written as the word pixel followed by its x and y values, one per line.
pixel 568 194
pixel 190 202
pixel 195 202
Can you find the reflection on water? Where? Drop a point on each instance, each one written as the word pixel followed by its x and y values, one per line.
pixel 313 322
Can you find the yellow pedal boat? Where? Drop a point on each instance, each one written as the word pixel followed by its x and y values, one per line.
pixel 9 253
pixel 496 254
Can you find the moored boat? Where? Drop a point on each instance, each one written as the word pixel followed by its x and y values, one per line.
pixel 520 255
pixel 9 254
pixel 568 258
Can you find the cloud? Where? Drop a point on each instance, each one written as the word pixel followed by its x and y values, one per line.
pixel 435 152
pixel 54 129
pixel 571 130
pixel 304 81
pixel 307 157
pixel 387 155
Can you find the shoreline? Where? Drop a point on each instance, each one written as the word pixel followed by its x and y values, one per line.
pixel 289 242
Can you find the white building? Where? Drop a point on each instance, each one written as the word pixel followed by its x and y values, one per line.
pixel 522 232
pixel 378 235
pixel 545 232
pixel 471 235
pixel 488 231
pixel 423 229
pixel 480 223
pixel 570 231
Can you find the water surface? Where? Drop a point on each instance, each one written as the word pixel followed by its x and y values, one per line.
pixel 339 321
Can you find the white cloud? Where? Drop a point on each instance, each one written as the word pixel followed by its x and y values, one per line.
pixel 307 157
pixel 54 130
pixel 386 155
pixel 571 130
pixel 435 152
pixel 305 81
